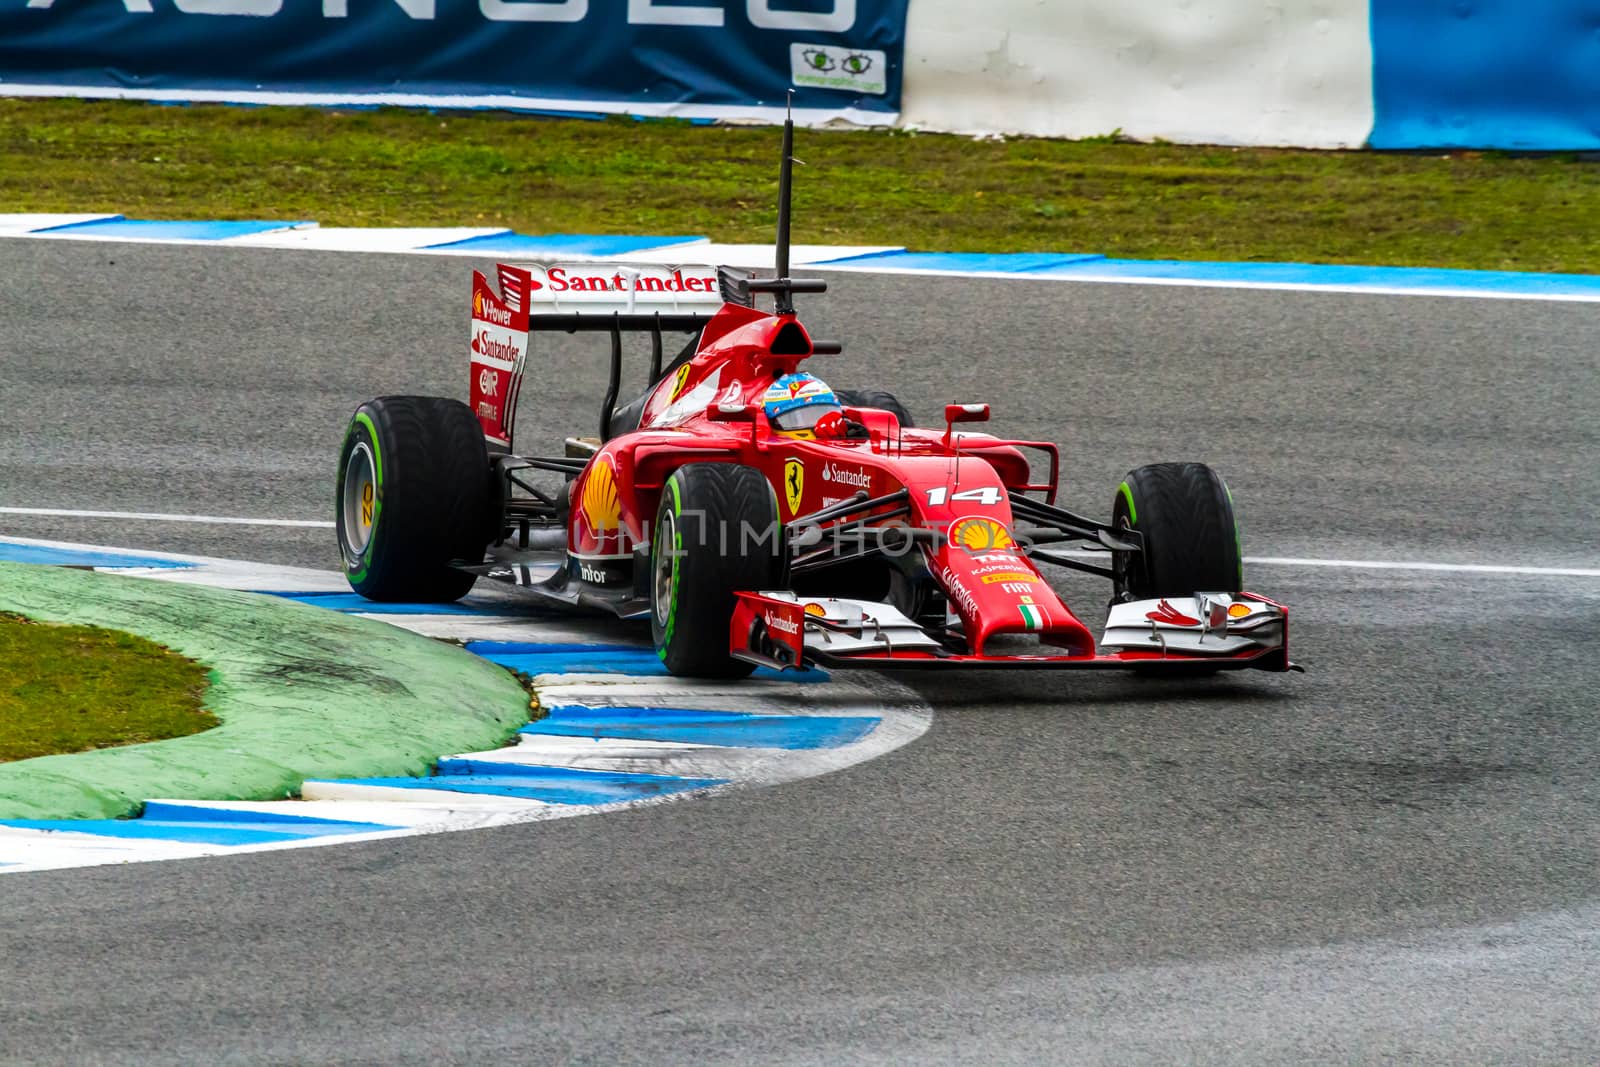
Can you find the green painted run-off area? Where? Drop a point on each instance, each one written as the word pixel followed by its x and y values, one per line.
pixel 302 693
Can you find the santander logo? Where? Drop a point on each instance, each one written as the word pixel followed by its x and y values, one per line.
pixel 782 625
pixel 844 476
pixel 494 348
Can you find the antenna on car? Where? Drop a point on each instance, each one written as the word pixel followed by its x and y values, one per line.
pixel 785 190
pixel 784 287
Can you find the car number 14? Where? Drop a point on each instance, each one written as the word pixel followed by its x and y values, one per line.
pixel 988 496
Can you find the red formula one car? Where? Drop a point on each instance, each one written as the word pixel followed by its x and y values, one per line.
pixel 757 517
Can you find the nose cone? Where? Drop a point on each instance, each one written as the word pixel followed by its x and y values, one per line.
pixel 997 590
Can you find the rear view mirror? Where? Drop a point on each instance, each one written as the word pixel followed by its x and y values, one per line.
pixel 731 413
pixel 954 413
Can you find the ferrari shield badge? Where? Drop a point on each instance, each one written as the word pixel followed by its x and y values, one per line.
pixel 794 484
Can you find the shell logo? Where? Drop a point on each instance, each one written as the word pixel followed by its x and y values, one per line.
pixel 816 610
pixel 981 535
pixel 477 305
pixel 1238 611
pixel 600 504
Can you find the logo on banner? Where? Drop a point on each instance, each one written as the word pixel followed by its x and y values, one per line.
pixel 854 70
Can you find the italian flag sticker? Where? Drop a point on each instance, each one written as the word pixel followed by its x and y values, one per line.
pixel 1032 617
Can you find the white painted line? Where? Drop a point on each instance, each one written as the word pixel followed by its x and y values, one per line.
pixel 640 757
pixel 134 238
pixel 1218 283
pixel 672 252
pixel 1101 557
pixel 1405 565
pixel 408 813
pixel 392 794
pixel 539 748
pixel 756 256
pixel 205 570
pixel 772 115
pixel 510 628
pixel 459 626
pixel 156 516
pixel 15 224
pixel 364 238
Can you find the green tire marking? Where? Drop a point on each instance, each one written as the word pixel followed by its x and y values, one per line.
pixel 677 554
pixel 377 457
pixel 1127 494
pixel 377 494
pixel 1238 542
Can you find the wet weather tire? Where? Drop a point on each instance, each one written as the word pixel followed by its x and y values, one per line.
pixel 700 555
pixel 413 495
pixel 1184 514
pixel 876 398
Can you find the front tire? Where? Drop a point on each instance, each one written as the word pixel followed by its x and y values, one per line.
pixel 717 532
pixel 1184 513
pixel 413 496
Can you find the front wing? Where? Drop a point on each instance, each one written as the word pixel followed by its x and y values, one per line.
pixel 1209 630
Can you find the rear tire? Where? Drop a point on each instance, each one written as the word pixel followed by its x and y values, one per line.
pixel 700 555
pixel 413 496
pixel 1184 513
pixel 875 398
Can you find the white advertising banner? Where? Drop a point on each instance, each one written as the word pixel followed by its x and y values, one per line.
pixel 1238 72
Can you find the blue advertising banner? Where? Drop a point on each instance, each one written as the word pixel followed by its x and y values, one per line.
pixel 688 58
pixel 1507 74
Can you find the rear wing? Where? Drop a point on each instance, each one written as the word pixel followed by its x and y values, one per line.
pixel 608 297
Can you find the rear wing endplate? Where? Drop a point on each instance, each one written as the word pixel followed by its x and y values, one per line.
pixel 589 297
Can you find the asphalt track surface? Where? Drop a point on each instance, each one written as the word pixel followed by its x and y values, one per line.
pixel 1393 856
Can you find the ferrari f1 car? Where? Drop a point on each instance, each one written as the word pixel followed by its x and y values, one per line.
pixel 756 517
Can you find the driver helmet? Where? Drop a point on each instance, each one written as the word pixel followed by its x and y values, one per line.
pixel 795 402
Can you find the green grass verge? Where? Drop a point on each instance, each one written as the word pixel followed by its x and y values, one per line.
pixel 76 688
pixel 930 192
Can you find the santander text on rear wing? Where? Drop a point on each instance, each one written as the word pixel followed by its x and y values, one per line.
pixel 614 297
